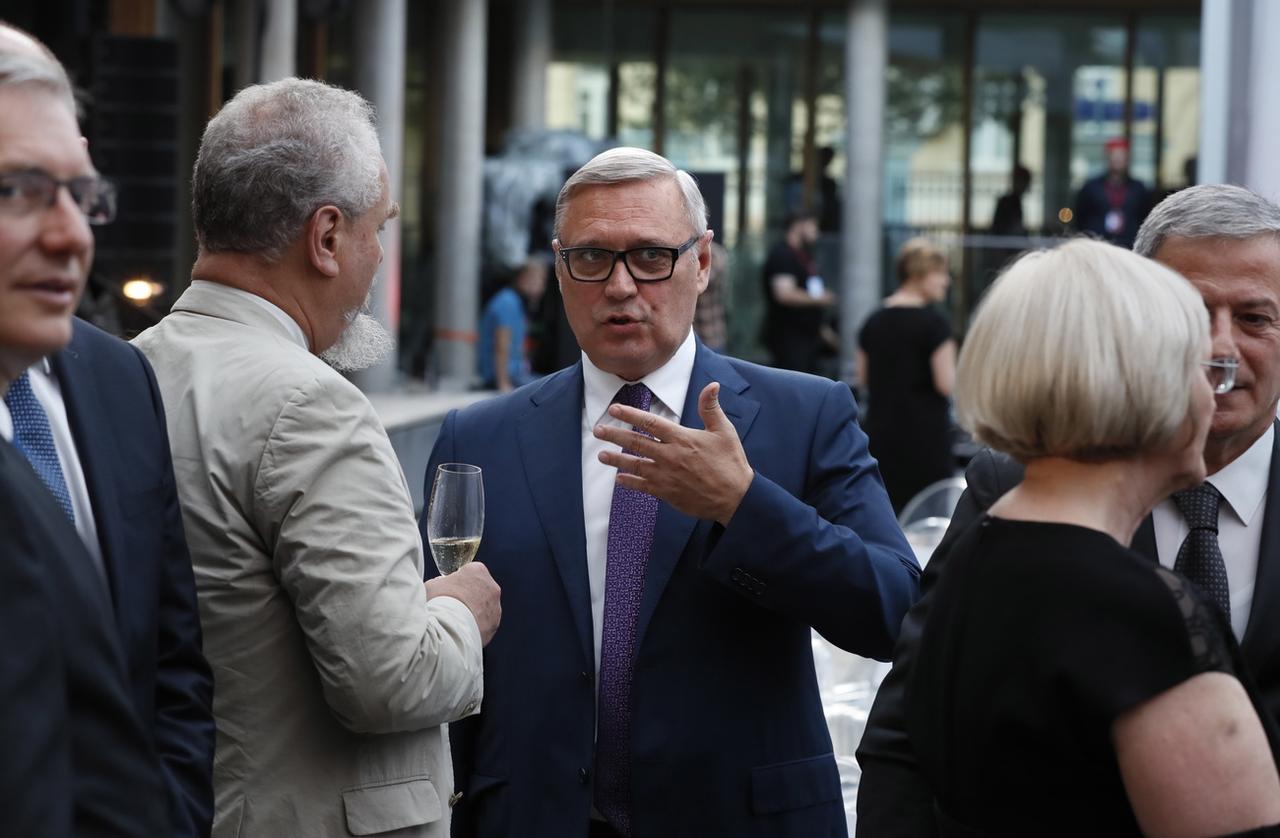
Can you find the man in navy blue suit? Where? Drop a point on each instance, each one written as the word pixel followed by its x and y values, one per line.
pixel 653 675
pixel 77 758
pixel 97 406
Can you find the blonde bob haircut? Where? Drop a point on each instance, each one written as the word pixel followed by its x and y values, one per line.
pixel 918 257
pixel 1085 351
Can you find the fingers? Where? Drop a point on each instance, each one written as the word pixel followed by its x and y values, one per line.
pixel 628 439
pixel 649 423
pixel 625 463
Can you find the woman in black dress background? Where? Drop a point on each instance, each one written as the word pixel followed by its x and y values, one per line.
pixel 906 362
pixel 1064 685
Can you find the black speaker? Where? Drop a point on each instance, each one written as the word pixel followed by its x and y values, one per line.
pixel 133 139
pixel 712 186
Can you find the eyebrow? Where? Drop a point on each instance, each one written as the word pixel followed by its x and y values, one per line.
pixel 1257 302
pixel 395 210
pixel 643 243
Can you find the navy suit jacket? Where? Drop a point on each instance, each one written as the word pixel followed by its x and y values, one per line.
pixel 75 759
pixel 118 423
pixel 1093 204
pixel 894 799
pixel 728 732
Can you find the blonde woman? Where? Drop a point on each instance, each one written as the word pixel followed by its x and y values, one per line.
pixel 1064 685
pixel 907 363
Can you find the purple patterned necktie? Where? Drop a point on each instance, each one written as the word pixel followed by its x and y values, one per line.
pixel 631 522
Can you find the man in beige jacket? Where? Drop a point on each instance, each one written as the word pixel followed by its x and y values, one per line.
pixel 334 669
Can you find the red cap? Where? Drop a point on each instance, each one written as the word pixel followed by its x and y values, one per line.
pixel 1116 142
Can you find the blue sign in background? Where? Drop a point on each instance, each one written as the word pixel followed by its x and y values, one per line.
pixel 1095 109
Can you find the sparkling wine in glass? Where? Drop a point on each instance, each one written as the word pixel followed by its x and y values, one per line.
pixel 455 515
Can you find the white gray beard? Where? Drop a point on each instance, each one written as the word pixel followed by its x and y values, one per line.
pixel 363 343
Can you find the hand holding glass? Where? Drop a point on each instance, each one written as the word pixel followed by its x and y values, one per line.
pixel 455 515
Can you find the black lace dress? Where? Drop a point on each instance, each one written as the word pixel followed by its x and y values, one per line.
pixel 1039 636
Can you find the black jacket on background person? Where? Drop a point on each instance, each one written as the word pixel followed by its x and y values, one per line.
pixel 894 800
pixel 117 423
pixel 75 759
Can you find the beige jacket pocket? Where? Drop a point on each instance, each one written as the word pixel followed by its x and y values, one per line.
pixel 381 808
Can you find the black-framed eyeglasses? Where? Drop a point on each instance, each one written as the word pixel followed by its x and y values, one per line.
pixel 28 190
pixel 1221 373
pixel 650 263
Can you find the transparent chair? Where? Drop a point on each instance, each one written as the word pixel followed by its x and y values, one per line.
pixel 848 683
pixel 926 517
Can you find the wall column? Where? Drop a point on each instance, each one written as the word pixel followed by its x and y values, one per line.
pixel 458 219
pixel 266 34
pixel 866 56
pixel 532 54
pixel 1239 113
pixel 379 51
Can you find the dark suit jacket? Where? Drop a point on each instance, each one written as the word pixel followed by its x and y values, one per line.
pixel 118 423
pixel 75 759
pixel 728 733
pixel 1093 203
pixel 893 798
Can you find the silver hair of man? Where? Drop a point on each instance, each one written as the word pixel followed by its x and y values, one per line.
pixel 36 68
pixel 274 155
pixel 628 165
pixel 1216 210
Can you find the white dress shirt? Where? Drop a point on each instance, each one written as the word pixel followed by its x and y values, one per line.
pixel 291 325
pixel 670 384
pixel 1243 486
pixel 6 421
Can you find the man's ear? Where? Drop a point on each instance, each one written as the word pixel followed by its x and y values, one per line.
pixel 704 260
pixel 322 235
pixel 556 263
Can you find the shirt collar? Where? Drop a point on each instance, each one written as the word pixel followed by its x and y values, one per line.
pixel 669 382
pixel 290 325
pixel 1243 481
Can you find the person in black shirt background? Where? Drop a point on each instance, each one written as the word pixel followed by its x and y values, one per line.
pixel 796 298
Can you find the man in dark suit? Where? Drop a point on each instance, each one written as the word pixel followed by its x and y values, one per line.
pixel 653 675
pixel 117 425
pixel 76 757
pixel 1226 241
pixel 1113 204
pixel 96 408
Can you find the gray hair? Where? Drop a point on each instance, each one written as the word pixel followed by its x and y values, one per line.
pixel 628 165
pixel 1086 351
pixel 33 66
pixel 1215 210
pixel 274 155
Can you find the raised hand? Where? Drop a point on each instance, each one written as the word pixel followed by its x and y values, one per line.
pixel 702 473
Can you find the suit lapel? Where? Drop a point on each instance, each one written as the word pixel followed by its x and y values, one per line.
pixel 1263 631
pixel 673 528
pixel 93 446
pixel 550 439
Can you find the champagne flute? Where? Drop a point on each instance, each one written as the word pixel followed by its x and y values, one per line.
pixel 455 516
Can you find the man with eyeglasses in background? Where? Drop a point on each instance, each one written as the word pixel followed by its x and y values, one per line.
pixel 1224 535
pixel 97 403
pixel 655 675
pixel 101 669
